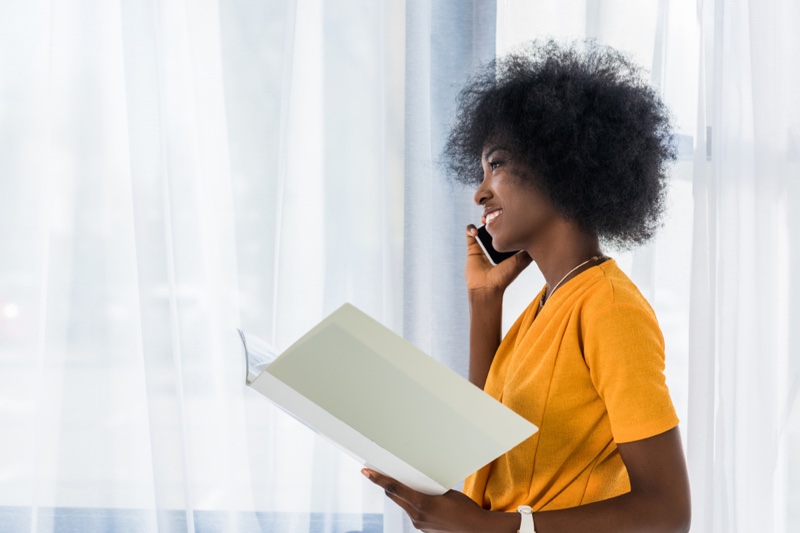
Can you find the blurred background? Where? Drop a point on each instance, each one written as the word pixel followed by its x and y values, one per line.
pixel 173 169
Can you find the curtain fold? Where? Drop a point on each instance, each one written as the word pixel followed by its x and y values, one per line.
pixel 445 42
pixel 164 186
pixel 744 363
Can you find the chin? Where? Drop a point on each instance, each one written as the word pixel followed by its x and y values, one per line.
pixel 500 246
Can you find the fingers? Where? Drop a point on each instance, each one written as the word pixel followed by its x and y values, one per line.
pixel 473 248
pixel 452 511
pixel 406 498
pixel 418 506
pixel 411 501
pixel 515 265
pixel 523 260
pixel 391 486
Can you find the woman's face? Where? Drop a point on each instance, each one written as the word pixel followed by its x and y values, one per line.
pixel 518 215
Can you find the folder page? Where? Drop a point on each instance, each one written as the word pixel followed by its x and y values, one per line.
pixel 388 404
pixel 258 355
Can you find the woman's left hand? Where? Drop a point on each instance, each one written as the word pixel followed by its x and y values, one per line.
pixel 451 512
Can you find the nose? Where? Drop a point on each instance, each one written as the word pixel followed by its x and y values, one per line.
pixel 483 193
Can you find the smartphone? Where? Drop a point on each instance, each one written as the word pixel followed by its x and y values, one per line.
pixel 485 240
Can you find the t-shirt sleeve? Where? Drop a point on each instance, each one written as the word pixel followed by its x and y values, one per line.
pixel 624 350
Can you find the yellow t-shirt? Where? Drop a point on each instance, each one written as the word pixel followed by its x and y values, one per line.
pixel 589 372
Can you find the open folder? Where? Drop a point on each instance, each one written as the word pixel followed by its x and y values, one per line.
pixel 383 401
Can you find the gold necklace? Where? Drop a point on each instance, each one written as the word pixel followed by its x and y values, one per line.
pixel 544 294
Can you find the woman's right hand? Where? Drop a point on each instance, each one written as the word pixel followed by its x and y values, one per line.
pixel 482 275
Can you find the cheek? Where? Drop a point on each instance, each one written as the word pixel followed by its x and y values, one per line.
pixel 531 218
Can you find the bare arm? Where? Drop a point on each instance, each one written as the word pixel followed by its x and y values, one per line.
pixel 486 284
pixel 659 500
pixel 485 325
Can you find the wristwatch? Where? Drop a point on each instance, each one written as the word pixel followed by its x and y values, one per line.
pixel 526 515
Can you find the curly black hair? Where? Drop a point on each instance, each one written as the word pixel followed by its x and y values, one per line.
pixel 596 137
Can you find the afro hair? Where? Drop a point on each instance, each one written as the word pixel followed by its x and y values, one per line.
pixel 595 136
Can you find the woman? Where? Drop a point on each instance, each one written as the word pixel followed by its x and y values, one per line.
pixel 573 149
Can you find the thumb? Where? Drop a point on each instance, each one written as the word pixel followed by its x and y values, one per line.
pixel 523 260
pixel 518 263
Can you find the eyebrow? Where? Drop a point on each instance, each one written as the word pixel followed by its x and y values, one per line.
pixel 491 150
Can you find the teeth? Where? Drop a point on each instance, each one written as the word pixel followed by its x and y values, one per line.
pixel 493 215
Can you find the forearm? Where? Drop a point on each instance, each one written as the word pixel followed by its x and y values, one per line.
pixel 485 330
pixel 628 513
pixel 659 499
pixel 633 512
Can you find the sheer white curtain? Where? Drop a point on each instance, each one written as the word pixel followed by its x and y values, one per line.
pixel 445 41
pixel 722 274
pixel 745 371
pixel 171 170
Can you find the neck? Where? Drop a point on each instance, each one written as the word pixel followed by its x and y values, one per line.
pixel 563 251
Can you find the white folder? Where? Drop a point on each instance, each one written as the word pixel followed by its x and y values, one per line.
pixel 383 401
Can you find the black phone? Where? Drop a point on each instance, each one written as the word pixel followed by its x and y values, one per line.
pixel 485 240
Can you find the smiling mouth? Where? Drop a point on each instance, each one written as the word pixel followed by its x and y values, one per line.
pixel 493 215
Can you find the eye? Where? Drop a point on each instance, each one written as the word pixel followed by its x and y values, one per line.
pixel 493 164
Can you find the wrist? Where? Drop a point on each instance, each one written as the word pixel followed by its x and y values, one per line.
pixel 501 522
pixel 481 297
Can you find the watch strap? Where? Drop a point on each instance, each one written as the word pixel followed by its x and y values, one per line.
pixel 526 519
